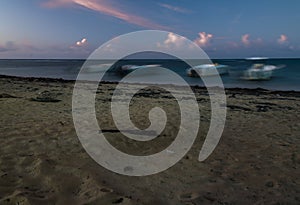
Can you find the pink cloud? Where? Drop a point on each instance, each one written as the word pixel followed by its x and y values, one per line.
pixel 245 39
pixel 80 45
pixel 103 7
pixel 282 39
pixel 203 39
pixel 174 8
pixel 172 41
pixel 82 42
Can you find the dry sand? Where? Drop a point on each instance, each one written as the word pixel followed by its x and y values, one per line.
pixel 42 161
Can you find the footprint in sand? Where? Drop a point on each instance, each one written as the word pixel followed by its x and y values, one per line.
pixel 189 196
pixel 118 201
pixel 106 190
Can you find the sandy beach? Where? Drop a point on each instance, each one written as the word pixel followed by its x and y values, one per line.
pixel 42 161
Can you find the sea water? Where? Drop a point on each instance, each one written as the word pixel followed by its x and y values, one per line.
pixel 287 78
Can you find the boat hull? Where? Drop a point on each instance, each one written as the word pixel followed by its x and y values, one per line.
pixel 257 75
pixel 207 71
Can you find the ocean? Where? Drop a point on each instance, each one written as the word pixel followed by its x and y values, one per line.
pixel 287 78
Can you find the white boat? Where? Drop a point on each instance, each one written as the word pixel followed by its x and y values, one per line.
pixel 207 70
pixel 97 67
pixel 123 70
pixel 259 71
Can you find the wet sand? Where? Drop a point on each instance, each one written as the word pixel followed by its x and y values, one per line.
pixel 42 161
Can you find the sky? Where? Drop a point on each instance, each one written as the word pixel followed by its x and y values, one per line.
pixel 75 28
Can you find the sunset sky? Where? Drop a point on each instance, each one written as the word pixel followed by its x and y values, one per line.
pixel 74 28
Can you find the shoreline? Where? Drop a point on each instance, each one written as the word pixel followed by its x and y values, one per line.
pixel 233 89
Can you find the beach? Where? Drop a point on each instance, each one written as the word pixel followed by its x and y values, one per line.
pixel 43 162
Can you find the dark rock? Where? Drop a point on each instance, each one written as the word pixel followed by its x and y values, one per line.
pixel 45 100
pixel 118 201
pixel 236 107
pixel 262 108
pixel 46 96
pixel 233 95
pixel 5 95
